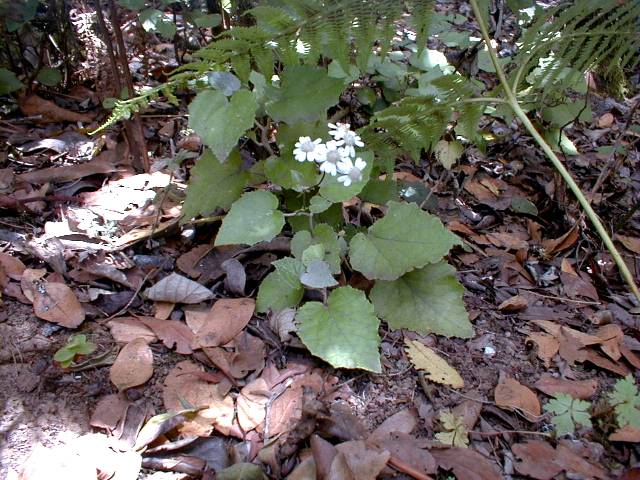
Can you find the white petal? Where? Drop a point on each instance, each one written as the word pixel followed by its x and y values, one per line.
pixel 345 179
pixel 360 164
pixel 317 141
pixel 359 142
pixel 301 156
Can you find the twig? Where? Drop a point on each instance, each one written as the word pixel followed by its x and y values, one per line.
pixel 398 464
pixel 564 299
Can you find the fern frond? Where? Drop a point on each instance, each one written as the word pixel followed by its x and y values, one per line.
pixel 580 36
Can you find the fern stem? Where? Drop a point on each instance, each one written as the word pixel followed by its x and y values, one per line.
pixel 513 103
pixel 484 100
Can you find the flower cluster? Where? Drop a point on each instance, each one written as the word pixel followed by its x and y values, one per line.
pixel 335 156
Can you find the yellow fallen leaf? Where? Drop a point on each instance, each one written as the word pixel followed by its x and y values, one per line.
pixel 437 369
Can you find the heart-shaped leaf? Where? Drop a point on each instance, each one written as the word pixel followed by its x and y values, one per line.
pixel 282 287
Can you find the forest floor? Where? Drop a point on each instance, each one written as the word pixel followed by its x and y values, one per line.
pixel 549 311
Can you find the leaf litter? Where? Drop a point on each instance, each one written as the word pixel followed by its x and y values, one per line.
pixel 214 375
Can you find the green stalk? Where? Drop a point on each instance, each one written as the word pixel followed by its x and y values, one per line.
pixel 517 110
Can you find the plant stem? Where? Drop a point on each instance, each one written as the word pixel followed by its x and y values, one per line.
pixel 513 103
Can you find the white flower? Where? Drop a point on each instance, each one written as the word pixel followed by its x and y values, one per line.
pixel 350 141
pixel 351 172
pixel 338 130
pixel 332 155
pixel 307 149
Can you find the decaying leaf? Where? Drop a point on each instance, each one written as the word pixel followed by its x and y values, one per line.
pixel 227 318
pixel 133 366
pixel 512 395
pixel 355 460
pixel 175 288
pixel 282 323
pixel 252 403
pixel 436 368
pixel 109 411
pixel 466 463
pixel 171 332
pixel 582 389
pixel 547 346
pixel 626 434
pixel 126 329
pixel 514 304
pixel 12 266
pixel 456 433
pixel 55 302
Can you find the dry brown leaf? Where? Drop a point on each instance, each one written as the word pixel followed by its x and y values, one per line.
pixel 109 411
pixel 355 460
pixel 579 467
pixel 512 395
pixel 49 112
pixel 469 412
pixel 612 336
pixel 403 421
pixel 252 403
pixel 578 286
pixel 582 389
pixel 30 276
pixel 220 414
pixel 191 262
pixel 126 329
pixel 606 120
pixel 162 310
pixel 630 243
pixel 183 389
pixel 55 302
pixel 629 356
pixel 323 454
pixel 436 368
pixel 171 332
pixel 175 288
pixel 514 304
pixel 626 434
pixel 547 346
pixel 407 450
pixel 236 278
pixel 12 266
pixel 466 464
pixel 195 316
pixel 507 240
pixel 530 465
pixel 133 366
pixel 564 242
pixel 603 362
pixel 227 318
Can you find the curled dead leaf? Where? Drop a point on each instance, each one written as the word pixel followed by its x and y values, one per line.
pixel 227 318
pixel 582 389
pixel 133 366
pixel 12 266
pixel 512 395
pixel 547 346
pixel 514 304
pixel 175 288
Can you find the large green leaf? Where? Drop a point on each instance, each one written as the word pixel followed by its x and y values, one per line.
pixel 344 332
pixel 219 122
pixel 325 236
pixel 335 192
pixel 281 288
pixel 8 82
pixel 214 184
pixel 253 218
pixel 155 21
pixel 305 94
pixel 49 76
pixel 406 238
pixel 428 300
pixel 287 172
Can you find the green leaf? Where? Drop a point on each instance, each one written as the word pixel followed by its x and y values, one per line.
pixel 333 247
pixel 155 21
pixel 318 275
pixel 406 238
pixel 335 192
pixel 565 145
pixel 428 300
pixel 313 253
pixel 208 20
pixel 8 82
pixel 287 172
pixel 344 332
pixel 281 288
pixel 568 412
pixel 318 204
pixel 380 191
pixel 253 218
pixel 132 4
pixel 448 153
pixel 305 94
pixel 49 76
pixel 523 205
pixel 214 184
pixel 220 123
pixel 226 82
pixel 626 400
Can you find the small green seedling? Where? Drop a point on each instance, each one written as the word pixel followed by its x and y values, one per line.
pixel 568 412
pixel 626 400
pixel 76 345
